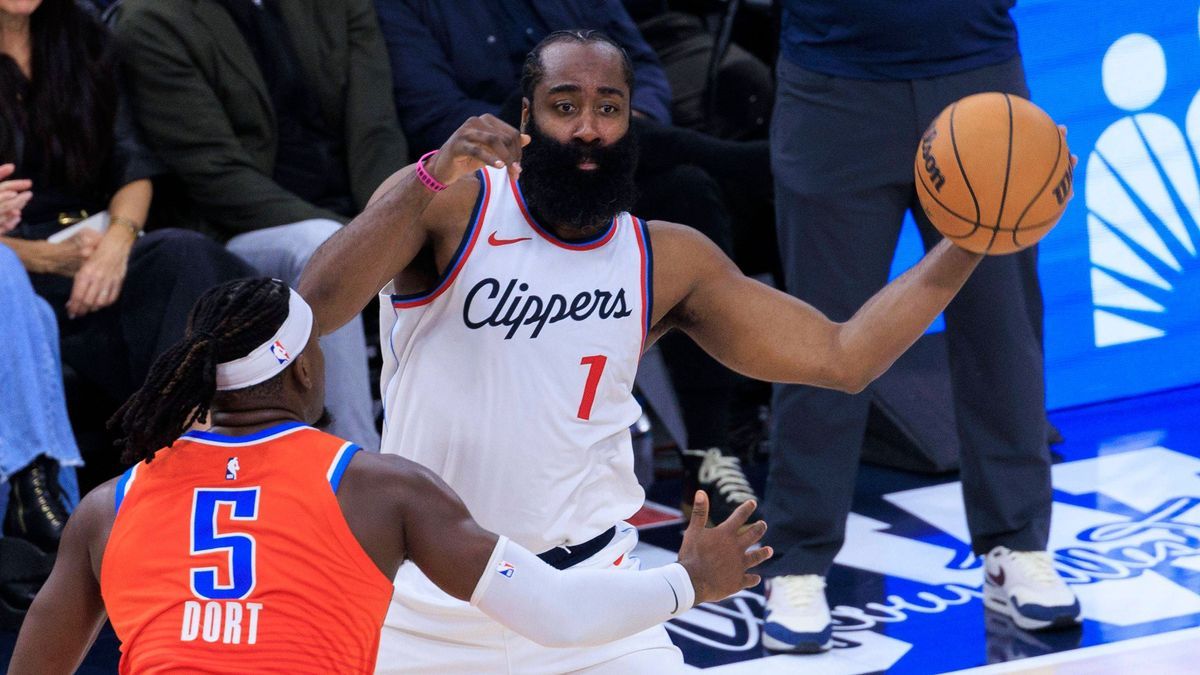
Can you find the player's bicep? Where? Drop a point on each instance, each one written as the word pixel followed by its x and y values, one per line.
pixel 750 327
pixel 65 617
pixel 442 538
pixel 763 333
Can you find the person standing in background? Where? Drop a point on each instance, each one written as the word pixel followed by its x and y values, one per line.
pixel 859 80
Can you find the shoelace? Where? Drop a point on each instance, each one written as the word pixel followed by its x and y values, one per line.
pixel 1037 565
pixel 726 473
pixel 799 591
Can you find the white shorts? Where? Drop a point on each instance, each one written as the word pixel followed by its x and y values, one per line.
pixel 427 631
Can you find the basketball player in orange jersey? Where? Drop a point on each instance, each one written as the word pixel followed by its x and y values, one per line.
pixel 264 544
pixel 515 282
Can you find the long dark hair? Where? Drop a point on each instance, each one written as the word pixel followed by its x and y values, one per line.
pixel 225 324
pixel 66 110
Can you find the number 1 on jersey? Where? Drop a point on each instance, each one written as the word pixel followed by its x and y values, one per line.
pixel 595 366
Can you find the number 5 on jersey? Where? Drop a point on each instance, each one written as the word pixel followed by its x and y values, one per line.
pixel 595 366
pixel 240 549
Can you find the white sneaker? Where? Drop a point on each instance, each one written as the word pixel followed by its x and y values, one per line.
pixel 1025 586
pixel 797 618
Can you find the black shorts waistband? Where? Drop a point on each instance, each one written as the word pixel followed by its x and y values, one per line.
pixel 562 557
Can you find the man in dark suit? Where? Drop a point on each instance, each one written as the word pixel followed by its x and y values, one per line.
pixel 452 60
pixel 271 116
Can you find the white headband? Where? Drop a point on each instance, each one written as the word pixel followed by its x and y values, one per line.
pixel 270 358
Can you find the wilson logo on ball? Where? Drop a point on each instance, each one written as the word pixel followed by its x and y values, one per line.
pixel 931 167
pixel 1063 190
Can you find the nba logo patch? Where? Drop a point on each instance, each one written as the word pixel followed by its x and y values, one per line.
pixel 279 352
pixel 506 569
pixel 231 468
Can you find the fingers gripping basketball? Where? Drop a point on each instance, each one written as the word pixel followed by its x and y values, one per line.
pixel 993 173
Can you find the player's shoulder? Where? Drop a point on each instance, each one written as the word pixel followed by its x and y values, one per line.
pixel 450 211
pixel 670 237
pixel 100 502
pixel 387 471
pixel 93 517
pixel 387 480
pixel 680 250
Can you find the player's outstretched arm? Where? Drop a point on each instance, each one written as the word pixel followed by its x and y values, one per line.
pixel 346 272
pixel 68 612
pixel 556 608
pixel 769 335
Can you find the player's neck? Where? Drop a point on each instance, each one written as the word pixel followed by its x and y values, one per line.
pixel 246 422
pixel 572 232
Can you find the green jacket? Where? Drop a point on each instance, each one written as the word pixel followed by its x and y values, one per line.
pixel 204 107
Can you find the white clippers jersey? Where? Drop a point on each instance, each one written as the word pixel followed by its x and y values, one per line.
pixel 513 378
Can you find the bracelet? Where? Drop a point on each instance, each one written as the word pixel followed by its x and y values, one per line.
pixel 134 228
pixel 427 178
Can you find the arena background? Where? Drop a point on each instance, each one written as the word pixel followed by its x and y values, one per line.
pixel 1122 316
pixel 1121 279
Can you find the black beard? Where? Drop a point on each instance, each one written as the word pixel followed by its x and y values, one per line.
pixel 324 420
pixel 559 193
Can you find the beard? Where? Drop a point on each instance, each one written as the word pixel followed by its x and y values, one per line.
pixel 559 193
pixel 324 421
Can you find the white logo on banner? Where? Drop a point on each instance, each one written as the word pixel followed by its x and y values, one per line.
pixel 1111 560
pixel 1143 202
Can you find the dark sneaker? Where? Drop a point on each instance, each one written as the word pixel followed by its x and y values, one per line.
pixel 722 479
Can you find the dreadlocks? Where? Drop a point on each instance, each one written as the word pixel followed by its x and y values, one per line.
pixel 226 323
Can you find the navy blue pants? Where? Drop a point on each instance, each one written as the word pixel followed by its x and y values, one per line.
pixel 842 153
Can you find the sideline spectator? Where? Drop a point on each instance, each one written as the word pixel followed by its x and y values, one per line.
pixel 38 455
pixel 37 450
pixel 272 116
pixel 120 299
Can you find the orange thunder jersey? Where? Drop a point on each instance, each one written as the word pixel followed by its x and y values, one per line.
pixel 231 554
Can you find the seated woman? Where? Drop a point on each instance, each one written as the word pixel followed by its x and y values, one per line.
pixel 37 451
pixel 120 298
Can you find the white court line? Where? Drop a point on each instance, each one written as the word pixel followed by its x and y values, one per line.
pixel 1022 665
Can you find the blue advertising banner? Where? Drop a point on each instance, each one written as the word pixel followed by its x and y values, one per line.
pixel 1121 272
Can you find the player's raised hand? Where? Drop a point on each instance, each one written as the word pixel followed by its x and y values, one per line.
pixel 480 141
pixel 717 558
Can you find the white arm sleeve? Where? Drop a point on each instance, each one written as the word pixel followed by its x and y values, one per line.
pixel 570 608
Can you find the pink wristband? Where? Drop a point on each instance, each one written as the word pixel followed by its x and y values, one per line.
pixel 427 178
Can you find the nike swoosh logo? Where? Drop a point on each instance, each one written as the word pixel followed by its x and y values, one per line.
pixel 676 595
pixel 495 241
pixel 996 579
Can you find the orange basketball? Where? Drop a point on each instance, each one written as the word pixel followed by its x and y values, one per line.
pixel 993 173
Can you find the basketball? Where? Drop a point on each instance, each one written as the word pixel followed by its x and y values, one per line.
pixel 993 173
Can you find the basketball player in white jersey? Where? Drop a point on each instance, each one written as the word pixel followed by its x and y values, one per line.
pixel 518 296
